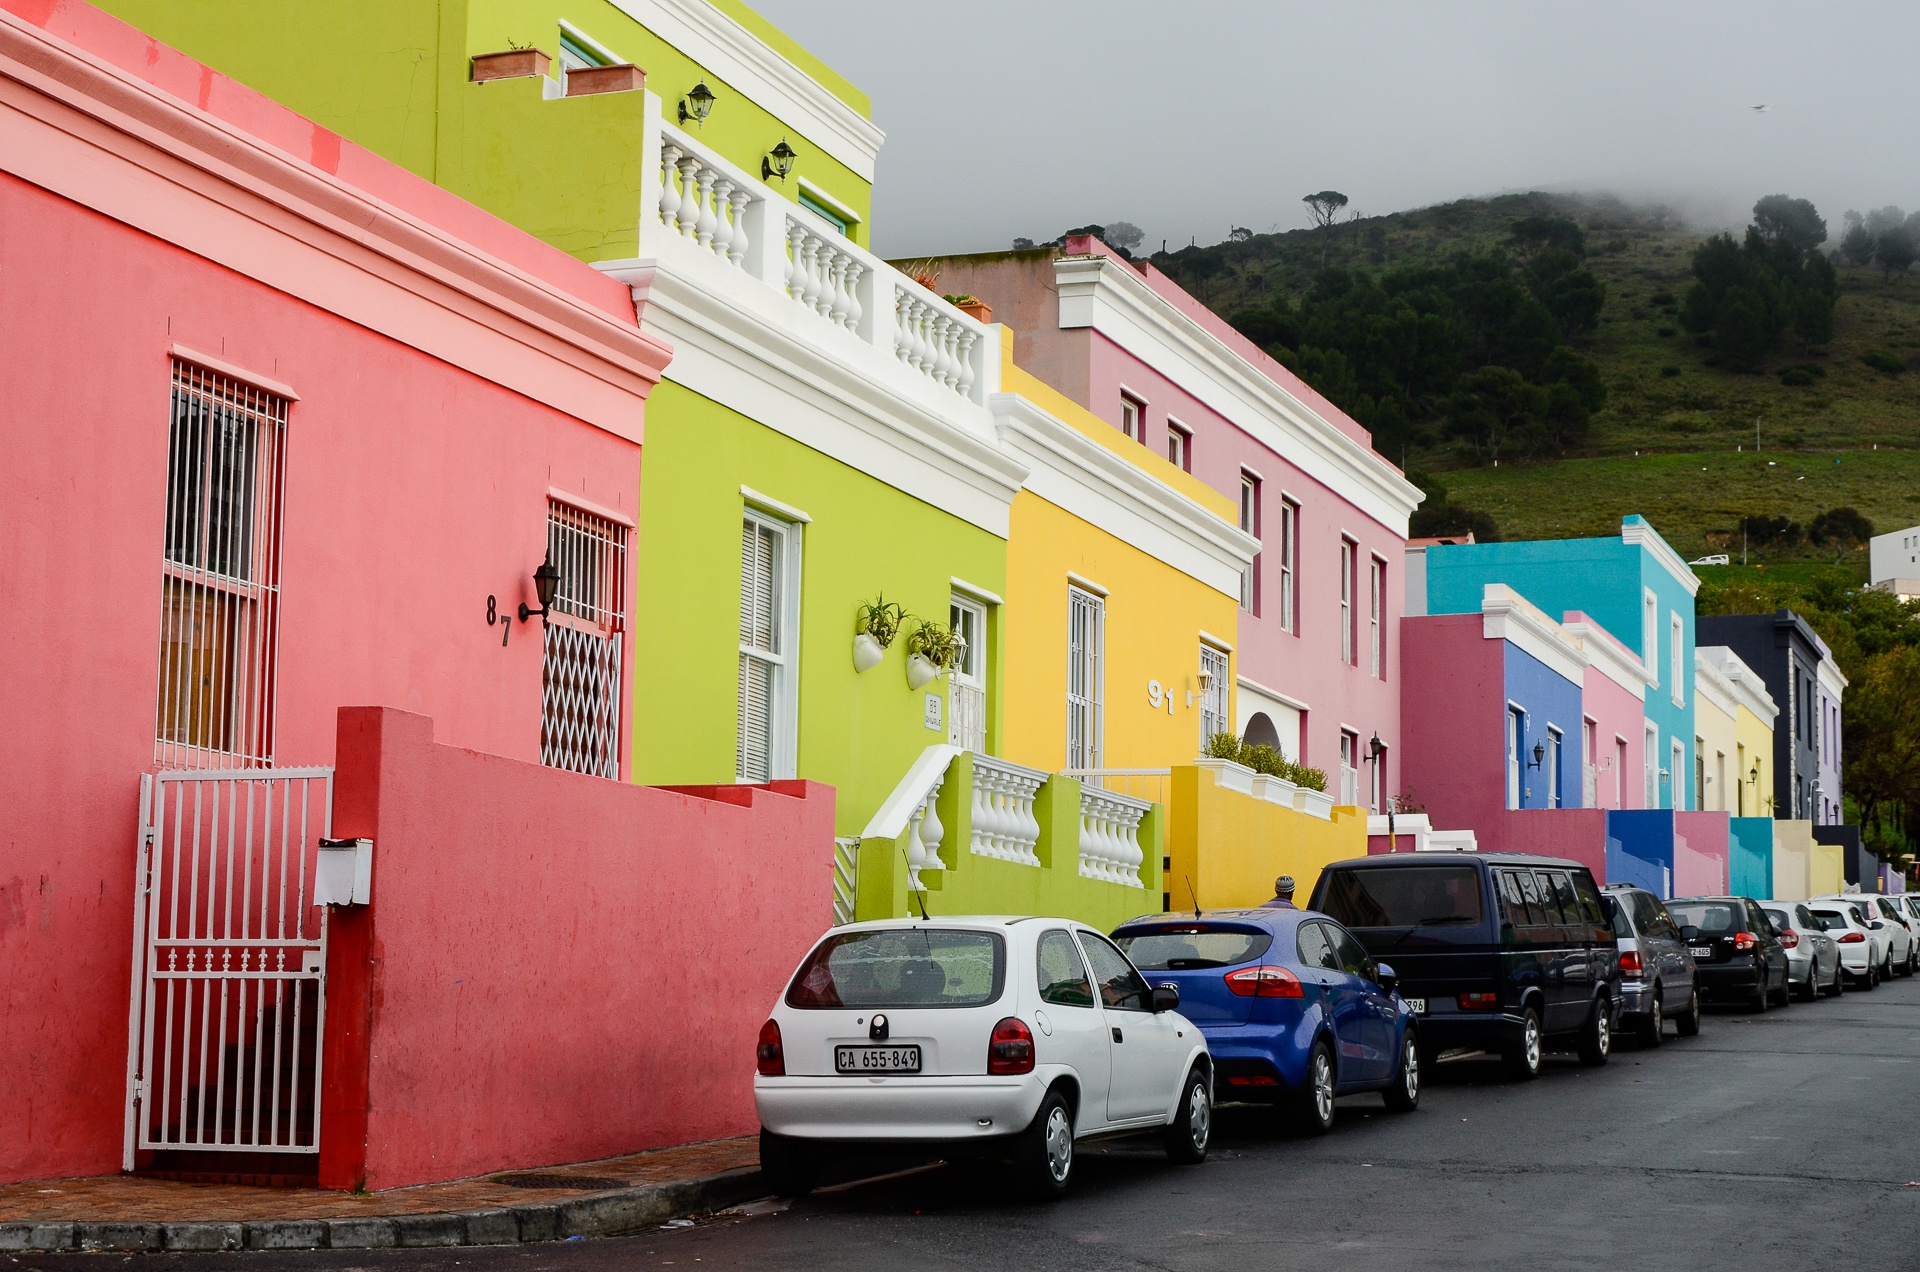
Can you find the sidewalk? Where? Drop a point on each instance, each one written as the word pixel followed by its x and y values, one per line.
pixel 600 1198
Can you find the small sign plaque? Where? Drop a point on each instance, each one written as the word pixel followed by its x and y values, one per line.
pixel 935 716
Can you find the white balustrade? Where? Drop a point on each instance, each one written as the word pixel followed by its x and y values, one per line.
pixel 823 274
pixel 702 203
pixel 924 834
pixel 1004 825
pixel 1110 836
pixel 937 344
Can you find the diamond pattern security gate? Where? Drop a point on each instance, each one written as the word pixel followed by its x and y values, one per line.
pixel 229 963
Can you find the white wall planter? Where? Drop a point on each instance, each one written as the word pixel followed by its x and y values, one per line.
pixel 1313 803
pixel 1274 790
pixel 867 652
pixel 920 672
pixel 1229 774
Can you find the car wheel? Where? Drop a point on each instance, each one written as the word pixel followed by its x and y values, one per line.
pixel 1596 1039
pixel 791 1168
pixel 1759 999
pixel 1687 1023
pixel 1886 969
pixel 1786 989
pixel 1521 1057
pixel 1653 1030
pixel 1403 1095
pixel 1839 980
pixel 1871 977
pixel 1043 1156
pixel 1186 1136
pixel 1813 981
pixel 1313 1109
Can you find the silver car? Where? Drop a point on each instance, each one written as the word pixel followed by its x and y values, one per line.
pixel 1813 957
pixel 1656 972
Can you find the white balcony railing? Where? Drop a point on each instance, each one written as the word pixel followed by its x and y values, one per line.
pixel 1110 836
pixel 1004 825
pixel 725 212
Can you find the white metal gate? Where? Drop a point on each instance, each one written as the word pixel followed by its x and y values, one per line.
pixel 229 962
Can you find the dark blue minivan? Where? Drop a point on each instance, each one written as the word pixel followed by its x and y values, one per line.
pixel 1512 954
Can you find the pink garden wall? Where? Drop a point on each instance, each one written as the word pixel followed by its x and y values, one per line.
pixel 1700 854
pixel 1453 727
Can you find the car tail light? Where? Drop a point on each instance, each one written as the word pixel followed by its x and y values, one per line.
pixel 1011 1050
pixel 1479 1002
pixel 772 1060
pixel 1252 1080
pixel 1630 966
pixel 1790 939
pixel 1745 941
pixel 1265 982
pixel 1852 938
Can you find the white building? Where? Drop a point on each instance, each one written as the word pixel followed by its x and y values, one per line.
pixel 1894 560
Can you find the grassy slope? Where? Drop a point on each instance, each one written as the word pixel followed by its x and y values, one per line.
pixel 1679 423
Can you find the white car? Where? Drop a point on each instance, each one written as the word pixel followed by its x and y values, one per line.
pixel 1863 951
pixel 1904 928
pixel 974 1037
pixel 1893 939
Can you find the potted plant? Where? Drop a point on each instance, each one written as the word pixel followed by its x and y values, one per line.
pixel 931 649
pixel 971 305
pixel 875 624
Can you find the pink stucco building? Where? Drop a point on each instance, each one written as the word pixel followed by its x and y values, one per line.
pixel 289 431
pixel 1317 666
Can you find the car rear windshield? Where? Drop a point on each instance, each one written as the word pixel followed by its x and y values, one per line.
pixel 1829 920
pixel 1780 918
pixel 1405 896
pixel 902 967
pixel 1709 916
pixel 1616 905
pixel 1190 946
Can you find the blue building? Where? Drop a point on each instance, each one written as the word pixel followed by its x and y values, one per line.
pixel 1633 582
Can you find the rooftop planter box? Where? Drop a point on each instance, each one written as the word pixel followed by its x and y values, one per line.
pixel 623 77
pixel 512 64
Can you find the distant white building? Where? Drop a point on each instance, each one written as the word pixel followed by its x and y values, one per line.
pixel 1894 560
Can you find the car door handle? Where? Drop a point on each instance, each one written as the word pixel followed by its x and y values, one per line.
pixel 1117 1035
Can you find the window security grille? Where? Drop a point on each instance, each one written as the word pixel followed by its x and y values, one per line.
pixel 220 571
pixel 584 644
pixel 1086 652
pixel 763 648
pixel 1213 704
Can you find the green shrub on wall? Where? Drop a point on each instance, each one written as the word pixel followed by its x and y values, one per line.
pixel 1262 758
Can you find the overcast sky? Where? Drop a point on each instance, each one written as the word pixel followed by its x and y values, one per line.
pixel 1026 117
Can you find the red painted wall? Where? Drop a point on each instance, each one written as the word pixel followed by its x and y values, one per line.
pixel 1578 834
pixel 1454 720
pixel 560 968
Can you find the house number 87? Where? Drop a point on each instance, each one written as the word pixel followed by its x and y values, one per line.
pixel 494 616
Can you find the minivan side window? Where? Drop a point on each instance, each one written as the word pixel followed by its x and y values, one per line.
pixel 1589 901
pixel 1668 928
pixel 1549 904
pixel 1569 903
pixel 1063 977
pixel 1513 898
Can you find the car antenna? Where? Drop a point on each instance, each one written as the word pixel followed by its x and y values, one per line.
pixel 920 895
pixel 1194 896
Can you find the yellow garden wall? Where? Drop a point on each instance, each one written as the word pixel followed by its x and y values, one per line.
pixel 1227 848
pixel 1801 867
pixel 1754 737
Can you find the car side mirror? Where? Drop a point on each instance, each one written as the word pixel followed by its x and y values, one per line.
pixel 1877 925
pixel 1385 977
pixel 1689 933
pixel 1165 997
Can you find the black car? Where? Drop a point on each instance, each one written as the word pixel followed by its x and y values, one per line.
pixel 1736 953
pixel 1495 952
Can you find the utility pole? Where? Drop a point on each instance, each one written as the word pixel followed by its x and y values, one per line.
pixel 1756 434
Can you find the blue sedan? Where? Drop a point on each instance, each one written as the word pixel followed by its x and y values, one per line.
pixel 1294 1009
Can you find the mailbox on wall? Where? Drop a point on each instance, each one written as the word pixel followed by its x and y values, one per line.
pixel 344 873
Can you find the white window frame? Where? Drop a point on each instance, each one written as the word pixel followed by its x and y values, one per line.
pixel 1556 752
pixel 1216 714
pixel 1589 762
pixel 1289 563
pixel 967 713
pixel 1349 768
pixel 1377 615
pixel 1349 567
pixel 1250 524
pixel 1651 764
pixel 1133 416
pixel 1676 656
pixel 1676 768
pixel 1620 744
pixel 784 658
pixel 1516 756
pixel 1086 669
pixel 1179 446
pixel 1650 634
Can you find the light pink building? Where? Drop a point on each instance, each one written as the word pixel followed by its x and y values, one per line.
pixel 288 432
pixel 1317 663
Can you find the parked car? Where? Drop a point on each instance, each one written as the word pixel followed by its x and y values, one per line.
pixel 1860 946
pixel 1011 1038
pixel 1506 953
pixel 1892 942
pixel 1294 1009
pixel 1813 957
pixel 1905 931
pixel 1656 972
pixel 1736 952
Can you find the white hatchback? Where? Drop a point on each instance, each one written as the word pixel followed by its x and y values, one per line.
pixel 993 1037
pixel 1863 950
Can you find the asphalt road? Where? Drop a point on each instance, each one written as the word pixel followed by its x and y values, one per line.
pixel 1785 1140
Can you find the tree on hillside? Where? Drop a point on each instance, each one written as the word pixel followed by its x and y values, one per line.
pixel 1783 219
pixel 1895 251
pixel 1324 207
pixel 1856 245
pixel 1747 295
pixel 1124 235
pixel 1842 527
pixel 1532 234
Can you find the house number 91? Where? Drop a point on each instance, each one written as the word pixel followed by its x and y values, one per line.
pixel 1159 696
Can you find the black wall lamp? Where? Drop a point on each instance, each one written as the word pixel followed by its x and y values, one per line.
pixel 697 104
pixel 546 581
pixel 1539 755
pixel 779 163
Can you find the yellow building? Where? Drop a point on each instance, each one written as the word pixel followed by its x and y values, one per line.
pixel 1747 783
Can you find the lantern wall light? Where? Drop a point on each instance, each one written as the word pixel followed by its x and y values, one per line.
pixel 546 582
pixel 779 162
pixel 697 104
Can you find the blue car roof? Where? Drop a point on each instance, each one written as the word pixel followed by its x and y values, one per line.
pixel 1275 919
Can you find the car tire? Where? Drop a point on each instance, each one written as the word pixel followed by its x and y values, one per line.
pixel 1596 1036
pixel 1813 981
pixel 1044 1153
pixel 1839 980
pixel 1760 999
pixel 790 1167
pixel 1653 1030
pixel 1786 990
pixel 1187 1135
pixel 1687 1023
pixel 1871 978
pixel 1521 1057
pixel 1886 968
pixel 1313 1106
pixel 1403 1094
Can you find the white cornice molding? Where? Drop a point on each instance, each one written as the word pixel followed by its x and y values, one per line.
pixel 757 352
pixel 1617 664
pixel 1710 684
pixel 1106 295
pixel 1076 473
pixel 753 67
pixel 1832 678
pixel 1642 535
pixel 1749 690
pixel 1506 615
pixel 1250 685
pixel 191 179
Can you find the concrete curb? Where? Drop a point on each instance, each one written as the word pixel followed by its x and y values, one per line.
pixel 605 1214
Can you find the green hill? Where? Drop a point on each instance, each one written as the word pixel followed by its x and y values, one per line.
pixel 1675 437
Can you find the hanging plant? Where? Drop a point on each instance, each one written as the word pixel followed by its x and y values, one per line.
pixel 937 643
pixel 880 619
